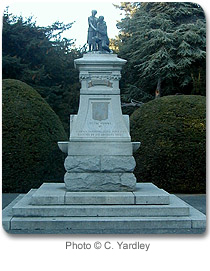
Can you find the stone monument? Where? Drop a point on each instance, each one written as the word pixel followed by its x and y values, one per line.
pixel 100 151
pixel 100 194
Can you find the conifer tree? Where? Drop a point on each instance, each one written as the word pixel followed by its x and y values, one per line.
pixel 42 58
pixel 165 45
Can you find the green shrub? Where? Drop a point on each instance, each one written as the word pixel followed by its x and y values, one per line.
pixel 30 133
pixel 172 132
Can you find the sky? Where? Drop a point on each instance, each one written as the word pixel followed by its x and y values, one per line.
pixel 47 12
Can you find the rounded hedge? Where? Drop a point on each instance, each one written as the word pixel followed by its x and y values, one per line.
pixel 30 132
pixel 172 132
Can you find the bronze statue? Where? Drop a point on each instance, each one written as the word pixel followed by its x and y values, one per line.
pixel 97 33
pixel 102 38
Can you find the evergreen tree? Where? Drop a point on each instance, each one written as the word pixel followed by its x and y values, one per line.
pixel 165 45
pixel 40 57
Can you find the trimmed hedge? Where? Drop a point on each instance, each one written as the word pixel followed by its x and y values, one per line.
pixel 172 131
pixel 30 133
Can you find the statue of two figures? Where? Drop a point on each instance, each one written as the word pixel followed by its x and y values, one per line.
pixel 97 34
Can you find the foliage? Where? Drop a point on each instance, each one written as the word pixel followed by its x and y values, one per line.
pixel 167 42
pixel 129 8
pixel 139 97
pixel 30 132
pixel 113 45
pixel 40 57
pixel 172 131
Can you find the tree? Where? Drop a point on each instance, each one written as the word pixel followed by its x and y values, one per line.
pixel 165 45
pixel 129 8
pixel 40 57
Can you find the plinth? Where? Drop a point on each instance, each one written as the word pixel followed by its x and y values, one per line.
pixel 100 151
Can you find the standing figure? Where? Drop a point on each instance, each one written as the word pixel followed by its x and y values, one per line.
pixel 92 22
pixel 102 38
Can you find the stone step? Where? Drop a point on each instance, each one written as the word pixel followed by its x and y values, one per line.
pixel 177 207
pixel 55 193
pixel 195 220
pixel 96 223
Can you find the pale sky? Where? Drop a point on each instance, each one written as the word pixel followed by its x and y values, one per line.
pixel 47 12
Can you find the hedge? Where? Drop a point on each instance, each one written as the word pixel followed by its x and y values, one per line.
pixel 172 131
pixel 30 132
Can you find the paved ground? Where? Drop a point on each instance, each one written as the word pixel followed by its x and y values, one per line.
pixel 197 201
pixel 7 198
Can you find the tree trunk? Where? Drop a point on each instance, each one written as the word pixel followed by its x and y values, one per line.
pixel 158 88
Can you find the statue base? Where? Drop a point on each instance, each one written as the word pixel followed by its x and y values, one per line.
pixel 100 151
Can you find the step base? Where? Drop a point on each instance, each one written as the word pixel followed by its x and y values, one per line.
pixel 55 193
pixel 22 215
pixel 24 208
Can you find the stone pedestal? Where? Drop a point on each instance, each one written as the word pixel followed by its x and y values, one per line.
pixel 99 148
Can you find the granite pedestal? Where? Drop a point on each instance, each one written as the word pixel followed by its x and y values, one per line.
pixel 100 151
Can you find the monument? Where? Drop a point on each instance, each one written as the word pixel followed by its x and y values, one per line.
pixel 100 151
pixel 100 193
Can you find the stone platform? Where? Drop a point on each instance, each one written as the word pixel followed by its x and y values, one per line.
pixel 52 207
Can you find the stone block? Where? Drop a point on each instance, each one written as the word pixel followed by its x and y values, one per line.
pixel 136 146
pixel 127 122
pixel 111 164
pixel 102 61
pixel 49 193
pixel 63 146
pixel 117 163
pixel 198 218
pixel 82 163
pixel 55 193
pixel 23 208
pixel 148 193
pixel 97 211
pixel 98 223
pixel 100 181
pixel 99 148
pixel 7 213
pixel 94 198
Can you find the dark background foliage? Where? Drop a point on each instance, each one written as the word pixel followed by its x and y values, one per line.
pixel 172 132
pixel 30 133
pixel 40 57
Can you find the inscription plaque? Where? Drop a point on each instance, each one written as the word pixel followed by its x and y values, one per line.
pixel 100 110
